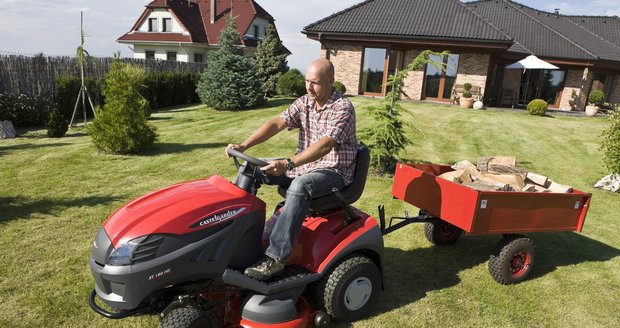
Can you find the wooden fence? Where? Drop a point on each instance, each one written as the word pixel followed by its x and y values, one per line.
pixel 36 76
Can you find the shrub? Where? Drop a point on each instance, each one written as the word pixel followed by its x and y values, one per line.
pixel 611 143
pixel 23 110
pixel 340 88
pixel 467 90
pixel 291 83
pixel 230 81
pixel 596 97
pixel 57 124
pixel 120 126
pixel 537 107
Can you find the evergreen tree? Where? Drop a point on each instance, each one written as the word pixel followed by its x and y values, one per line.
pixel 270 61
pixel 230 81
pixel 121 127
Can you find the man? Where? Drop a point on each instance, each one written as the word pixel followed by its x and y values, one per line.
pixel 325 159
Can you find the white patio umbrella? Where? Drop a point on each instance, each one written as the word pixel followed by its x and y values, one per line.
pixel 529 63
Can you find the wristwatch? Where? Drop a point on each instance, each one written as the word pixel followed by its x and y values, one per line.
pixel 289 164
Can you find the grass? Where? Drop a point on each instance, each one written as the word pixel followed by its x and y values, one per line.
pixel 57 192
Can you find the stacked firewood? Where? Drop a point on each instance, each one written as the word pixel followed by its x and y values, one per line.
pixel 501 173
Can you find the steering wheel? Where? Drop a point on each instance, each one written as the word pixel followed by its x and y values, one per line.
pixel 252 160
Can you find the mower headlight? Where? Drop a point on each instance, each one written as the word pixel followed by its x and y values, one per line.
pixel 124 254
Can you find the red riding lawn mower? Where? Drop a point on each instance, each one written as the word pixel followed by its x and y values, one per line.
pixel 180 252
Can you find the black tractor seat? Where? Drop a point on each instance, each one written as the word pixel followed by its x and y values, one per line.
pixel 350 193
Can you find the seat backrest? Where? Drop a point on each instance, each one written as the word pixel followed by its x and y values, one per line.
pixel 350 193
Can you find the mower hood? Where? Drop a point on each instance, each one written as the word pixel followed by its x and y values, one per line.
pixel 181 209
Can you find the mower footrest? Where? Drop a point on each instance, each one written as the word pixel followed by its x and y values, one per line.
pixel 292 277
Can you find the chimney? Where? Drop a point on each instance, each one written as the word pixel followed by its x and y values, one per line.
pixel 212 11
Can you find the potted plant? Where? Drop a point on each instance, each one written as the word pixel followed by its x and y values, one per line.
pixel 466 100
pixel 595 98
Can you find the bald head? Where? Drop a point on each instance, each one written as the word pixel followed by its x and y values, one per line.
pixel 320 80
pixel 323 67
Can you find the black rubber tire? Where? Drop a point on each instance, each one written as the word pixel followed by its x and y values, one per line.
pixel 442 233
pixel 187 317
pixel 513 259
pixel 353 271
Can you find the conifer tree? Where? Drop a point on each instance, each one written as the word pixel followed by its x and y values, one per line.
pixel 270 61
pixel 230 81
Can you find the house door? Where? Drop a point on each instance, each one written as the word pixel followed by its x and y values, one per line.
pixel 437 83
pixel 543 84
pixel 378 63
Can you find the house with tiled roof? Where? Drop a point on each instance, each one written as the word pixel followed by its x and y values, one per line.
pixel 186 30
pixel 374 38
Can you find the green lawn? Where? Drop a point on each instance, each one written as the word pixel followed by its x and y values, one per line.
pixel 55 193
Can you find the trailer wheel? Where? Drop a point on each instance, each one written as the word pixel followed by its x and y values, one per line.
pixel 187 317
pixel 349 290
pixel 512 260
pixel 442 233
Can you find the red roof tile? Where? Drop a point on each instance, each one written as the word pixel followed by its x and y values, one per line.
pixel 155 37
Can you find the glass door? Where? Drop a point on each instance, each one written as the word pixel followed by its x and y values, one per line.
pixel 437 83
pixel 373 71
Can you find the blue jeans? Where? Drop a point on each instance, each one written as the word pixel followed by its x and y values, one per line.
pixel 299 196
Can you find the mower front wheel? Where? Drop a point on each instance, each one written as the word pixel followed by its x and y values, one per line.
pixel 188 317
pixel 512 260
pixel 350 289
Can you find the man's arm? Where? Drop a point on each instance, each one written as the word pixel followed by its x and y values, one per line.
pixel 266 131
pixel 316 151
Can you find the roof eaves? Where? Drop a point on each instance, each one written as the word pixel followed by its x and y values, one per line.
pixel 398 36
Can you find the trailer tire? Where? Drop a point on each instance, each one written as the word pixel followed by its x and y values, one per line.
pixel 512 260
pixel 188 317
pixel 442 233
pixel 350 289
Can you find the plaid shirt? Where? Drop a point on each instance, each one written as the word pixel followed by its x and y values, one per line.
pixel 336 119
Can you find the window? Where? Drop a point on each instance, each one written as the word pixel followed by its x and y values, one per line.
pixel 152 24
pixel 198 58
pixel 171 55
pixel 167 26
pixel 373 70
pixel 438 83
pixel 149 54
pixel 256 31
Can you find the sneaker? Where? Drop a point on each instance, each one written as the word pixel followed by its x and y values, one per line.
pixel 264 269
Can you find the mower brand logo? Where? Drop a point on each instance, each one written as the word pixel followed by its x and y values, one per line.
pixel 217 218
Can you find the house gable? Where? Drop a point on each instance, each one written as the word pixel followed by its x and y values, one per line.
pixel 191 21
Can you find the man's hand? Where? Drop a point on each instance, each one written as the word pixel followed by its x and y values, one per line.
pixel 275 168
pixel 237 147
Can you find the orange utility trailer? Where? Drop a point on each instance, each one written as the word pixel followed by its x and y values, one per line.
pixel 448 209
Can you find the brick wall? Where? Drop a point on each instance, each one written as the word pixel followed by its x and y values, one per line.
pixel 473 68
pixel 347 60
pixel 574 82
pixel 415 79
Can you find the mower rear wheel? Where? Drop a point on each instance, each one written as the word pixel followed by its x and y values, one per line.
pixel 442 233
pixel 512 260
pixel 187 317
pixel 350 289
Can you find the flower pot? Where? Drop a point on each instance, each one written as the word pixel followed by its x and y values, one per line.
pixel 591 110
pixel 466 102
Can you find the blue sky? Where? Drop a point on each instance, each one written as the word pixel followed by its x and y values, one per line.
pixel 53 27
